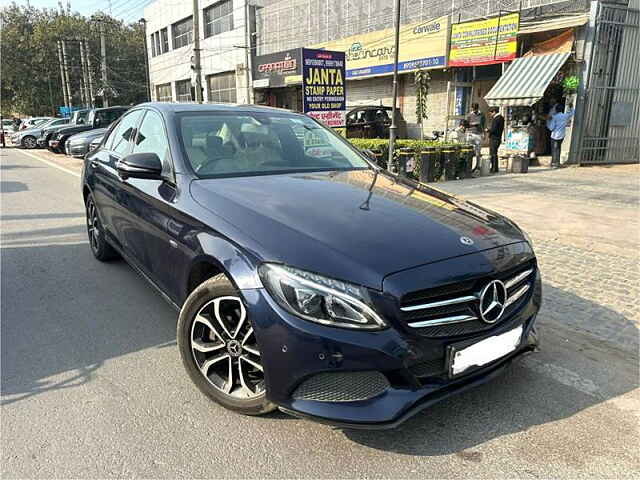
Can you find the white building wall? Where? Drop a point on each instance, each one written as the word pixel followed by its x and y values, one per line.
pixel 219 53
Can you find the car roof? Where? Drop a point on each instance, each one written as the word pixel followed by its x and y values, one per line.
pixel 176 107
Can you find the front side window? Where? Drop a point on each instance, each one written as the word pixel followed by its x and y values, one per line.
pixel 183 91
pixel 218 18
pixel 124 133
pixel 182 32
pixel 153 139
pixel 163 93
pixel 226 144
pixel 222 87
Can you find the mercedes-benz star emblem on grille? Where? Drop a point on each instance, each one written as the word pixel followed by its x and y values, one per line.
pixel 466 241
pixel 492 301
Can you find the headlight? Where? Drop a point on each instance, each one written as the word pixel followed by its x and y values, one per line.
pixel 319 299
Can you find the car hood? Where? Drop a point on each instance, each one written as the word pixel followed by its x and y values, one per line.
pixel 88 136
pixel 357 225
pixel 74 129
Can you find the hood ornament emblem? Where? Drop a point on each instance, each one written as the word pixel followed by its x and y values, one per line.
pixel 493 299
pixel 466 241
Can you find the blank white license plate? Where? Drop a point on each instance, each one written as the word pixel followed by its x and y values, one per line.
pixel 485 351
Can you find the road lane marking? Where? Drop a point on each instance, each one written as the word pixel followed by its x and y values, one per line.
pixel 50 163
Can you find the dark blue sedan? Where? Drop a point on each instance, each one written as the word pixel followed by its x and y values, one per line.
pixel 306 278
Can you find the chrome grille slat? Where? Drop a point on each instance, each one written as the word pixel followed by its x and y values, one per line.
pixel 443 321
pixel 518 278
pixel 458 315
pixel 441 303
pixel 516 295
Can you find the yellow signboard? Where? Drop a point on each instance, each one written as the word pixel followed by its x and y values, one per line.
pixel 422 45
pixel 485 41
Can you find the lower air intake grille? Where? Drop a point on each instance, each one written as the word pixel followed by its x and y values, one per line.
pixel 342 387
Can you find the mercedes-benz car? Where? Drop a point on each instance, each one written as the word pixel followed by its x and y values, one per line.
pixel 306 278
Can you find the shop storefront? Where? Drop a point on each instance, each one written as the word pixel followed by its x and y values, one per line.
pixel 531 88
pixel 369 68
pixel 277 79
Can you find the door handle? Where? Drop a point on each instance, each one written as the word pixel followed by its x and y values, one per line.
pixel 94 164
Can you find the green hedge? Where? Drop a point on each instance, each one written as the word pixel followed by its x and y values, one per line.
pixel 381 148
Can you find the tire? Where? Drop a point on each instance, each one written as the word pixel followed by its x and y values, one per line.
pixel 211 348
pixel 29 142
pixel 100 248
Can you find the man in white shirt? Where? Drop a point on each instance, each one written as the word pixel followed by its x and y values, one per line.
pixel 558 124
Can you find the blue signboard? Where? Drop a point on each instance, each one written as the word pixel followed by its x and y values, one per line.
pixel 323 81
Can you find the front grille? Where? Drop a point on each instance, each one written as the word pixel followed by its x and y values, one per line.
pixel 453 310
pixel 342 386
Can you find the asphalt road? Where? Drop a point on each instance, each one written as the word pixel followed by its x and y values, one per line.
pixel 92 384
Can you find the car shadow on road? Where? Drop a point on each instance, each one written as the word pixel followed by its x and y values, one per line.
pixel 12 187
pixel 64 314
pixel 574 371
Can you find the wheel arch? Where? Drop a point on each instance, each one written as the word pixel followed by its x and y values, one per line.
pixel 221 256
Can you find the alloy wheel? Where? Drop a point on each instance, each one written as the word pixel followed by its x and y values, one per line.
pixel 224 348
pixel 93 226
pixel 29 142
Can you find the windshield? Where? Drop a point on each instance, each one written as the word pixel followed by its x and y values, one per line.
pixel 235 144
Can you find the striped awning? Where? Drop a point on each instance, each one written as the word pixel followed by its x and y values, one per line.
pixel 525 80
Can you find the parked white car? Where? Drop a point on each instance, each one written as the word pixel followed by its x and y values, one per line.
pixel 33 122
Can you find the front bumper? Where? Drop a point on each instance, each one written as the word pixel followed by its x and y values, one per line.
pixel 76 149
pixel 294 351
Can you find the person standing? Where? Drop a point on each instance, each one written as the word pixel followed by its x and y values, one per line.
pixel 475 121
pixel 557 124
pixel 495 137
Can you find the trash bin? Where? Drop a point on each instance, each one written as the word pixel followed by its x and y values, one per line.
pixel 466 155
pixel 429 164
pixel 519 164
pixel 404 157
pixel 449 162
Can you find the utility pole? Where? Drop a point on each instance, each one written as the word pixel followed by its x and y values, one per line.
pixel 103 56
pixel 247 50
pixel 143 21
pixel 394 126
pixel 196 51
pixel 66 74
pixel 83 67
pixel 65 94
pixel 87 55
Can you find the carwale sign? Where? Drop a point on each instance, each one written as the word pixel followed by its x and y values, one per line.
pixel 484 42
pixel 323 80
pixel 422 45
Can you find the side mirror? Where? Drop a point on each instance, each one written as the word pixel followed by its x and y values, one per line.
pixel 140 165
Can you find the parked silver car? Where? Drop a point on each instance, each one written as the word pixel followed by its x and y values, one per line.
pixel 29 138
pixel 80 144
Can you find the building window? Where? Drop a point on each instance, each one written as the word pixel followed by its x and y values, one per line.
pixel 183 91
pixel 222 87
pixel 163 93
pixel 154 52
pixel 218 18
pixel 164 40
pixel 157 43
pixel 182 32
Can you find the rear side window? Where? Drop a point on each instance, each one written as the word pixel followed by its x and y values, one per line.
pixel 122 136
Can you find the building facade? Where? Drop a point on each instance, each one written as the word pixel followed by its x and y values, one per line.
pixel 222 33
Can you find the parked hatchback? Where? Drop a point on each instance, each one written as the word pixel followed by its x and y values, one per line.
pixel 307 279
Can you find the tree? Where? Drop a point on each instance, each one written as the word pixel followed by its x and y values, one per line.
pixel 30 74
pixel 422 81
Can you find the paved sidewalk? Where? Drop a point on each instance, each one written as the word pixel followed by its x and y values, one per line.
pixel 585 226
